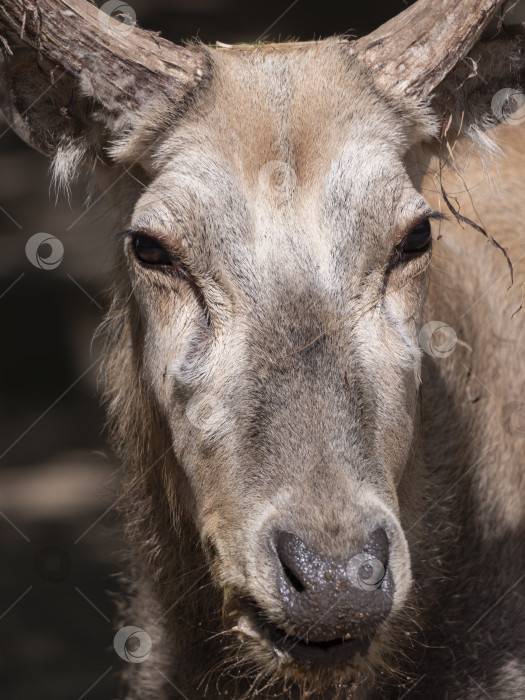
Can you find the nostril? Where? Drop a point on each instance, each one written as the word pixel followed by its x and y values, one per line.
pixel 367 569
pixel 296 583
pixel 378 545
pixel 291 558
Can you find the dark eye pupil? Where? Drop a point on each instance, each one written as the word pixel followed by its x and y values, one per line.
pixel 419 238
pixel 150 252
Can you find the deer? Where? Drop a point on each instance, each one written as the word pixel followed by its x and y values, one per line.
pixel 314 362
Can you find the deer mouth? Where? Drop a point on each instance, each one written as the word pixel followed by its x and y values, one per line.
pixel 297 650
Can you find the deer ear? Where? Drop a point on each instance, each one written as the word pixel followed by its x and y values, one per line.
pixel 484 90
pixel 42 104
pixel 75 82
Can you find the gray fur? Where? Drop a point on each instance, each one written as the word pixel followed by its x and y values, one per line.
pixel 327 418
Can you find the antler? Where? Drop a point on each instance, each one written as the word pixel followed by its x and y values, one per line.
pixel 112 65
pixel 412 53
pixel 126 70
pixel 409 55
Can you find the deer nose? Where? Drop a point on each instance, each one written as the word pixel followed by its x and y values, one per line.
pixel 327 598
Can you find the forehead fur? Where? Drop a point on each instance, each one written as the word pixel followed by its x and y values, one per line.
pixel 297 151
pixel 292 104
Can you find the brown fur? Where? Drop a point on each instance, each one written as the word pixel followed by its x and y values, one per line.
pixel 320 438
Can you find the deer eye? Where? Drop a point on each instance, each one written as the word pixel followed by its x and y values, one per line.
pixel 418 240
pixel 149 251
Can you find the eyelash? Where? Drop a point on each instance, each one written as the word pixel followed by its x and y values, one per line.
pixel 152 246
pixel 173 266
pixel 400 256
pixel 168 262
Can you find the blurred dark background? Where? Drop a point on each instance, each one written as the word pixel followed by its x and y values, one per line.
pixel 58 533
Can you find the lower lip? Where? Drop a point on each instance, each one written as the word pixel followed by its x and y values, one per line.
pixel 336 653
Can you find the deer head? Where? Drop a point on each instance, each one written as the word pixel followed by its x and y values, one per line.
pixel 263 363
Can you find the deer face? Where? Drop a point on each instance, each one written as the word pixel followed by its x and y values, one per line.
pixel 277 262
